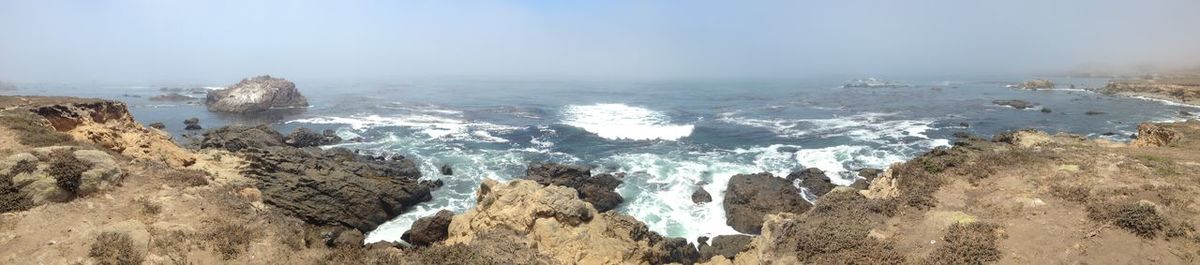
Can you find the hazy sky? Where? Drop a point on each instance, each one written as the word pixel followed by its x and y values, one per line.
pixel 46 40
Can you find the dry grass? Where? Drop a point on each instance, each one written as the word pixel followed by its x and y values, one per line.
pixel 113 248
pixel 973 243
pixel 149 207
pixel 173 245
pixel 230 239
pixel 188 177
pixel 31 131
pixel 1140 219
pixel 836 230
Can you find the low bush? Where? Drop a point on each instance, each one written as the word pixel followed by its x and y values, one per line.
pixel 32 132
pixel 66 169
pixel 230 239
pixel 973 243
pixel 113 248
pixel 1141 219
pixel 188 177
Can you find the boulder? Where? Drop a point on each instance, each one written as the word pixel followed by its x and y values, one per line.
pixel 1151 135
pixel 256 94
pixel 29 174
pixel 192 123
pixel 429 229
pixel 446 170
pixel 158 125
pixel 701 195
pixel 724 245
pixel 812 179
pixel 750 197
pixel 1014 103
pixel 303 137
pixel 597 190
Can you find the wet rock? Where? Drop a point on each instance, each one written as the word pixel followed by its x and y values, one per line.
pixel 673 250
pixel 812 179
pixel 1046 110
pixel 256 94
pixel 1185 113
pixel 158 125
pixel 192 124
pixel 1014 103
pixel 964 124
pixel 446 170
pixel 597 190
pixel 303 137
pixel 724 245
pixel 170 97
pixel 429 229
pixel 701 195
pixel 1094 112
pixel 869 173
pixel 750 197
pixel 238 137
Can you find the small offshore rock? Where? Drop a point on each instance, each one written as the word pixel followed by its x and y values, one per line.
pixel 701 195
pixel 192 123
pixel 446 170
pixel 1014 103
pixel 158 125
pixel 1094 112
pixel 1046 110
pixel 256 94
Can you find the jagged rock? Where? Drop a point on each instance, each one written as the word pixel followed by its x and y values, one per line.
pixel 750 197
pixel 192 124
pixel 724 245
pixel 597 190
pixel 256 94
pixel 446 170
pixel 324 187
pixel 302 137
pixel 556 223
pixel 812 179
pixel 238 137
pixel 673 250
pixel 172 96
pixel 1014 103
pixel 1150 135
pixel 108 124
pixel 701 195
pixel 429 229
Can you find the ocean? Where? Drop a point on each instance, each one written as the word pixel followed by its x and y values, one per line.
pixel 668 137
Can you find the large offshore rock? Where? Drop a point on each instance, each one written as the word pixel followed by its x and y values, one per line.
pixel 256 94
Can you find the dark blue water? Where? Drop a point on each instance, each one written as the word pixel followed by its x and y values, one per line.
pixel 671 137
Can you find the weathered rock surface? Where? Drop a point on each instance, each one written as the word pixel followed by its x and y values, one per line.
pixel 724 245
pixel 1014 103
pixel 750 197
pixel 430 229
pixel 555 223
pixel 256 94
pixel 303 137
pixel 109 125
pixel 701 195
pixel 812 179
pixel 30 174
pixel 1150 134
pixel 325 187
pixel 597 190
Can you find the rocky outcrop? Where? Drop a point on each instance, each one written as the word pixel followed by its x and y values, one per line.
pixel 302 137
pixel 446 170
pixel 750 197
pixel 325 187
pixel 430 229
pixel 1014 103
pixel 727 246
pixel 812 179
pixel 256 94
pixel 39 175
pixel 1181 89
pixel 1150 135
pixel 701 195
pixel 1036 84
pixel 555 223
pixel 597 190
pixel 109 125
pixel 192 124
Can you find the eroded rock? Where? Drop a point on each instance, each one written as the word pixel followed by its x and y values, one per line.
pixel 597 190
pixel 750 197
pixel 256 94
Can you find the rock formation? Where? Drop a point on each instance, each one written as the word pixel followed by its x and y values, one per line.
pixel 1150 134
pixel 1036 84
pixel 302 137
pixel 256 94
pixel 334 186
pixel 109 125
pixel 1014 103
pixel 812 179
pixel 192 124
pixel 597 190
pixel 430 229
pixel 701 195
pixel 750 197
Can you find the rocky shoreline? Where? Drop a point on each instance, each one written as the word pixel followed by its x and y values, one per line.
pixel 251 195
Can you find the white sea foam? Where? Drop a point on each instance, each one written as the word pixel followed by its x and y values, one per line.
pixel 434 126
pixel 620 121
pixel 871 127
pixel 1166 102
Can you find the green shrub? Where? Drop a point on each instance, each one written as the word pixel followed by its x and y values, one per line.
pixel 113 248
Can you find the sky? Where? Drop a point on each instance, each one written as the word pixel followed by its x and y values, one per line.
pixel 206 41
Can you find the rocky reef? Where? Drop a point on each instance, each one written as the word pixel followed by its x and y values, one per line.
pixel 256 94
pixel 1034 84
pixel 1181 88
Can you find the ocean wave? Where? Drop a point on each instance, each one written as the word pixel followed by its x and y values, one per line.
pixel 624 122
pixel 870 127
pixel 1166 102
pixel 434 126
